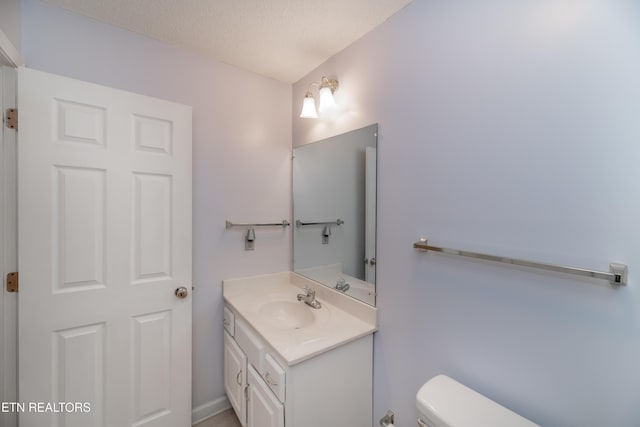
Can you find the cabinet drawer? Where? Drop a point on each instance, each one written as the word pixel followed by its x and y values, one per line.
pixel 229 321
pixel 251 344
pixel 274 376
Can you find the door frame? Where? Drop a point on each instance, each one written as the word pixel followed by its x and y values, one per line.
pixel 10 58
pixel 9 55
pixel 9 247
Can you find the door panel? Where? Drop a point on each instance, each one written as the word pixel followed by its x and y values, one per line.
pixel 79 371
pixel 151 366
pixel 79 240
pixel 104 241
pixel 152 227
pixel 79 123
pixel 153 134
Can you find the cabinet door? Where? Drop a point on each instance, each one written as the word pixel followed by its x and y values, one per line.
pixel 235 376
pixel 263 409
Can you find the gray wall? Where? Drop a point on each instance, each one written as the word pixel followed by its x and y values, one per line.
pixel 505 127
pixel 228 132
pixel 510 128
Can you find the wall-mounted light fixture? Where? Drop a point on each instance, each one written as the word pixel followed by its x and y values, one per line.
pixel 326 89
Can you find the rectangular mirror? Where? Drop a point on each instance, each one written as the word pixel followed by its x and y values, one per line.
pixel 334 212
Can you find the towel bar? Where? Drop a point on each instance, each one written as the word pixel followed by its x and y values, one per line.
pixel 299 223
pixel 284 223
pixel 617 274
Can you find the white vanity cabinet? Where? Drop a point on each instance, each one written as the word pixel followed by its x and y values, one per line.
pixel 263 408
pixel 330 388
pixel 251 398
pixel 235 376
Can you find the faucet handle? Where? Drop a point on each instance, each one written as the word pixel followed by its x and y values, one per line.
pixel 309 292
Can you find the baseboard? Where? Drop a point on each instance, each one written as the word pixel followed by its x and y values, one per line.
pixel 209 409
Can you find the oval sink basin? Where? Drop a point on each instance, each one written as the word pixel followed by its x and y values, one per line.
pixel 287 314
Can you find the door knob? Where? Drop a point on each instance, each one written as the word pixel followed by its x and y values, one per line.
pixel 181 292
pixel 372 261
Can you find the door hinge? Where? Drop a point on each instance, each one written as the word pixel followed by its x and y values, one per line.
pixel 12 118
pixel 12 282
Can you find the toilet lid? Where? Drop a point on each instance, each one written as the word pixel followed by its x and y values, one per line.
pixel 444 402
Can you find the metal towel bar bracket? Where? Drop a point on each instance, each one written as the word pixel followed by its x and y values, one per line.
pixel 617 275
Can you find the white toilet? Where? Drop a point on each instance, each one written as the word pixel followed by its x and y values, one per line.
pixel 444 402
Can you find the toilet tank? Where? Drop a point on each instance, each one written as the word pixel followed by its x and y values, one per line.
pixel 444 402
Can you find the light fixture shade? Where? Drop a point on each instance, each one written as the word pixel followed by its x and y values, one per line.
pixel 309 108
pixel 327 102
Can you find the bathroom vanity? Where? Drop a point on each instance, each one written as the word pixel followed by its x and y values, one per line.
pixel 287 364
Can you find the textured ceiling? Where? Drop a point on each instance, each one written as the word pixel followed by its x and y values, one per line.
pixel 282 39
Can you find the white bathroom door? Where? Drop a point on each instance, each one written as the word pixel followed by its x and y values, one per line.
pixel 371 172
pixel 104 237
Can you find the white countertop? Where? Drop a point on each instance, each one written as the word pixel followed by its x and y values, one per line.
pixel 340 320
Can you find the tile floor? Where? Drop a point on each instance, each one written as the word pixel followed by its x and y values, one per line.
pixel 224 419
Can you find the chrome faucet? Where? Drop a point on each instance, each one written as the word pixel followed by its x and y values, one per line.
pixel 341 285
pixel 309 298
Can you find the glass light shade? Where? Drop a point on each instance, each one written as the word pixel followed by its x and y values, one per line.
pixel 309 108
pixel 327 102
